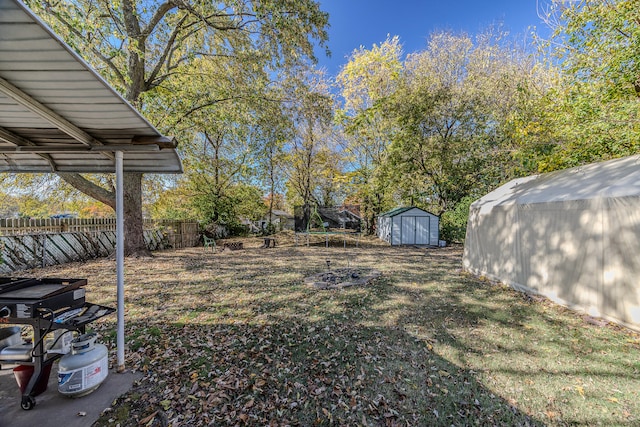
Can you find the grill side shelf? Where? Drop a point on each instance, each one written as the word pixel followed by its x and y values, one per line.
pixel 76 318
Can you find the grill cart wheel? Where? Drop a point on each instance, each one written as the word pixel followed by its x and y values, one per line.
pixel 28 403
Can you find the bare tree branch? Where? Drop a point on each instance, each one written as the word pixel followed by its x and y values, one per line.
pixel 87 187
pixel 150 83
pixel 160 13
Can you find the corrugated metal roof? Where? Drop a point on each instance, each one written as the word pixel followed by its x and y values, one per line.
pixel 396 211
pixel 54 102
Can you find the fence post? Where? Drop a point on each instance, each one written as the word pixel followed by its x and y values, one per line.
pixel 44 250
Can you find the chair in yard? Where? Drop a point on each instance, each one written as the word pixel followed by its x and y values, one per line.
pixel 209 242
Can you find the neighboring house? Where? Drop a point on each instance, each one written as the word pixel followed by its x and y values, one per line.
pixel 409 226
pixel 338 218
pixel 325 218
pixel 280 219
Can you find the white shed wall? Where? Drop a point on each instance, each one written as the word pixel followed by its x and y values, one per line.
pixel 434 233
pixel 384 228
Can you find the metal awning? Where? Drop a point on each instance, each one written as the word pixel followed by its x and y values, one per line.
pixel 58 115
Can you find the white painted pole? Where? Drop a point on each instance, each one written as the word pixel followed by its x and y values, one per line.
pixel 120 257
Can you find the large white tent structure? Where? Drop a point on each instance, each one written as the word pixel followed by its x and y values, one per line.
pixel 58 115
pixel 572 236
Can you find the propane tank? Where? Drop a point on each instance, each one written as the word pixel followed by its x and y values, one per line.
pixel 85 368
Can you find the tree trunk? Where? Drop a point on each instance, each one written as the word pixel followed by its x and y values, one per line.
pixel 134 244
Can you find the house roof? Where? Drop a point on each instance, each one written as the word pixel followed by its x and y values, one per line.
pixel 348 213
pixel 278 212
pixel 58 115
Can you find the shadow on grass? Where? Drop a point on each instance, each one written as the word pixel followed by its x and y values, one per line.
pixel 252 343
pixel 237 338
pixel 301 373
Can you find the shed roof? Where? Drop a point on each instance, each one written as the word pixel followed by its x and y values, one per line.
pixel 398 211
pixel 58 115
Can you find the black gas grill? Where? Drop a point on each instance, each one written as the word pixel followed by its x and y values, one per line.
pixel 47 305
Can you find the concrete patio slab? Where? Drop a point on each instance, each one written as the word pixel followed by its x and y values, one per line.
pixel 54 409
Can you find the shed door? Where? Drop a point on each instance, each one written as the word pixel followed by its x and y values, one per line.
pixel 408 235
pixel 415 230
pixel 422 230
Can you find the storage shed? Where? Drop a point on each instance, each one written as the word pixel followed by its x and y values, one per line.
pixel 571 235
pixel 409 226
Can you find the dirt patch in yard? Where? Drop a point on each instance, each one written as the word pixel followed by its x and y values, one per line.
pixel 342 278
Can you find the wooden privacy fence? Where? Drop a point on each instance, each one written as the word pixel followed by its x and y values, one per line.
pixel 16 226
pixel 178 234
pixel 58 241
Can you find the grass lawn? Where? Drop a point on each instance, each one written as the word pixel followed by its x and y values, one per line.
pixel 237 338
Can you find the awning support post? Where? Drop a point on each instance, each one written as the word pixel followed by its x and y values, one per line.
pixel 120 257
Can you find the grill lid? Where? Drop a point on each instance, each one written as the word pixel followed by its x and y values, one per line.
pixel 37 288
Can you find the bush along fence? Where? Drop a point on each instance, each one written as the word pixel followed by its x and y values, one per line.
pixel 48 242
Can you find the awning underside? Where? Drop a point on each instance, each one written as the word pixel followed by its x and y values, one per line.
pixel 58 115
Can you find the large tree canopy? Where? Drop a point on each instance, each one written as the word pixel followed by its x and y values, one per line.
pixel 591 111
pixel 435 128
pixel 140 46
pixel 369 78
pixel 599 41
pixel 451 109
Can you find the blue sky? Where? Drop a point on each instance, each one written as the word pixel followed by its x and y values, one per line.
pixel 356 23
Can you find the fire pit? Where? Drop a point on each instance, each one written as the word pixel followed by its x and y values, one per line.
pixel 342 278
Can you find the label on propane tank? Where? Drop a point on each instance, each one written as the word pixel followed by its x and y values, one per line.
pixel 79 380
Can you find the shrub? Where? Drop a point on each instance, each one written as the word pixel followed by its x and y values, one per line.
pixel 453 223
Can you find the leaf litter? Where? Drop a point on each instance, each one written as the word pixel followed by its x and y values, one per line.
pixel 237 339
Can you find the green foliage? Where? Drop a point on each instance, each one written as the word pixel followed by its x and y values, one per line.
pixel 173 203
pixel 366 81
pixel 312 164
pixel 602 44
pixel 226 208
pixel 141 45
pixel 453 223
pixel 182 63
pixel 451 109
pixel 9 206
pixel 443 126
pixel 588 111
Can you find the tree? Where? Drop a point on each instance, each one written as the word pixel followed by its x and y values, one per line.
pixel 273 129
pixel 141 45
pixel 591 113
pixel 451 108
pixel 232 129
pixel 366 81
pixel 310 105
pixel 598 41
pixel 9 206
